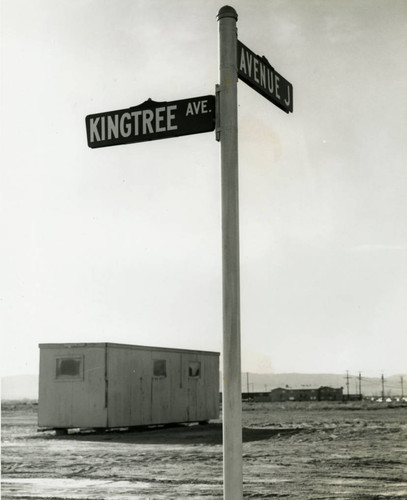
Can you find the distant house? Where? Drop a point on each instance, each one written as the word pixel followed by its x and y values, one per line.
pixel 281 394
pixel 106 385
pixel 330 394
pixel 321 394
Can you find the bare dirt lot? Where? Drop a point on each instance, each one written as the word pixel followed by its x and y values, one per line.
pixel 293 450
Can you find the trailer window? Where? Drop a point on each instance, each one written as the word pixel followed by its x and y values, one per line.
pixel 69 368
pixel 194 369
pixel 160 368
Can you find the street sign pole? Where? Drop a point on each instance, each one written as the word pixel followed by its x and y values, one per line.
pixel 232 397
pixel 159 120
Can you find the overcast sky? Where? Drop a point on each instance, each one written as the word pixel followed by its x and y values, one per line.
pixel 123 244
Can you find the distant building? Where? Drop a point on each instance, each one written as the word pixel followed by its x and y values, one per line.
pixel 258 397
pixel 330 394
pixel 321 394
pixel 352 397
pixel 106 385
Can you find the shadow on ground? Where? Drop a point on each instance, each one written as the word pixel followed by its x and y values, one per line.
pixel 210 434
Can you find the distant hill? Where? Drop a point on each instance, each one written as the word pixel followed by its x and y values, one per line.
pixel 26 386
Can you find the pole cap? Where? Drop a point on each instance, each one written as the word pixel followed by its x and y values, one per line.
pixel 227 11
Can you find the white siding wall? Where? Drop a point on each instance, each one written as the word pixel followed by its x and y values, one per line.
pixel 133 394
pixel 72 403
pixel 137 397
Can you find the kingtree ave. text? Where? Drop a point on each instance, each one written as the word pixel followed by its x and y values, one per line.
pixel 151 120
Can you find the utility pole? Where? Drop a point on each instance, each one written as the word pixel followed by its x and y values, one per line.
pixel 382 386
pixel 360 386
pixel 347 384
pixel 232 397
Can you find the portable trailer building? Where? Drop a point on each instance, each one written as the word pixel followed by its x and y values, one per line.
pixel 107 385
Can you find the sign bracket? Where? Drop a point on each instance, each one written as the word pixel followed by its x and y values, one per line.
pixel 218 128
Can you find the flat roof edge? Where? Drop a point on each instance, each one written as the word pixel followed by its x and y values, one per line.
pixel 117 345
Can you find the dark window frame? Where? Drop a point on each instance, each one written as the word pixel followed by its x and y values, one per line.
pixel 62 375
pixel 196 371
pixel 160 368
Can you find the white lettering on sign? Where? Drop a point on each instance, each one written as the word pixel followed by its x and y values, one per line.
pixel 171 117
pixel 263 76
pixel 103 129
pixel 260 72
pixel 142 122
pixel 136 115
pixel 256 71
pixel 159 117
pixel 195 108
pixel 125 126
pixel 288 101
pixel 112 126
pixel 148 116
pixel 94 134
pixel 150 121
pixel 277 80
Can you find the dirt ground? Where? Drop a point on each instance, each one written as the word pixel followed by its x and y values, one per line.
pixel 304 451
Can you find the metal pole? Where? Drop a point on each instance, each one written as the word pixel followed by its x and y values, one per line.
pixel 382 386
pixel 232 396
pixel 360 386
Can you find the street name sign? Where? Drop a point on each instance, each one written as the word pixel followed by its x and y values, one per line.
pixel 150 121
pixel 258 73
